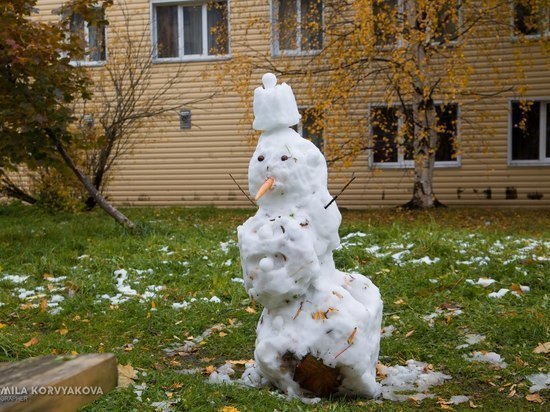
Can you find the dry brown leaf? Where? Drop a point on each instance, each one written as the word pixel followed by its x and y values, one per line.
pixel 379 370
pixel 516 288
pixel 543 348
pixel 43 305
pixel 126 375
pixel 250 310
pixel 352 336
pixel 534 397
pixel 33 341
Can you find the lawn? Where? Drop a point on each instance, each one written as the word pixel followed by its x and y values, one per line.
pixel 80 284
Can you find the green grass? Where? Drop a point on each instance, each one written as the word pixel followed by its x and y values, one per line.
pixel 182 247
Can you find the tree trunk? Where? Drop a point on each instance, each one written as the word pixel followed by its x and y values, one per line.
pixel 425 144
pixel 100 170
pixel 101 201
pixel 425 137
pixel 9 189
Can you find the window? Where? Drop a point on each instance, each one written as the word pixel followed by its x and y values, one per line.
pixel 92 37
pixel 530 132
pixel 310 127
pixel 447 23
pixel 392 136
pixel 385 14
pixel 188 30
pixel 298 26
pixel 442 27
pixel 530 18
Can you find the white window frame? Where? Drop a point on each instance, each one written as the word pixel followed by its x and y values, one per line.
pixel 189 57
pixel 409 164
pixel 513 34
pixel 542 160
pixel 275 49
pixel 86 62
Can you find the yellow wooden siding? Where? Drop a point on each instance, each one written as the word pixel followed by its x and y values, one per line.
pixel 169 166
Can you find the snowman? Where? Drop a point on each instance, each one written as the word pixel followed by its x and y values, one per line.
pixel 319 332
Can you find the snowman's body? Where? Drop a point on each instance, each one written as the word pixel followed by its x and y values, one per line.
pixel 316 319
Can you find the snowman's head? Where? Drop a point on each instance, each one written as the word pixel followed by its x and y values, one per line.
pixel 293 167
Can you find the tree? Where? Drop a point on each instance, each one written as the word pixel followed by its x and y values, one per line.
pixel 125 92
pixel 38 85
pixel 416 56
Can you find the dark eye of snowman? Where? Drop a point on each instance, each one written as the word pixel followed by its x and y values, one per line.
pixel 284 157
pixel 261 158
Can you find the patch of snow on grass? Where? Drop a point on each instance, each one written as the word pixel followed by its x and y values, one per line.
pixel 387 331
pixel 458 399
pixel 15 278
pixel 182 305
pixel 222 374
pixel 414 377
pixel 425 260
pixel 487 357
pixel 485 282
pixel 224 246
pixel 540 381
pixel 480 260
pixel 471 339
pixel 499 294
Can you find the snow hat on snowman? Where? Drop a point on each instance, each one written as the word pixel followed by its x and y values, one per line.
pixel 274 105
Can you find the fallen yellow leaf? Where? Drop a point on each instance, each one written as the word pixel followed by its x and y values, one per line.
pixel 210 368
pixel 543 348
pixel 43 305
pixel 2 325
pixel 33 341
pixel 250 310
pixel 222 334
pixel 399 302
pixel 126 375
pixel 241 361
pixel 409 333
pixel 63 331
pixel 229 409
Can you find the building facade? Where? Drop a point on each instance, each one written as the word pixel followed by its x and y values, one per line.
pixel 190 156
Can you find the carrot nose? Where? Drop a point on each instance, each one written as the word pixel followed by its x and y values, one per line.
pixel 268 184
